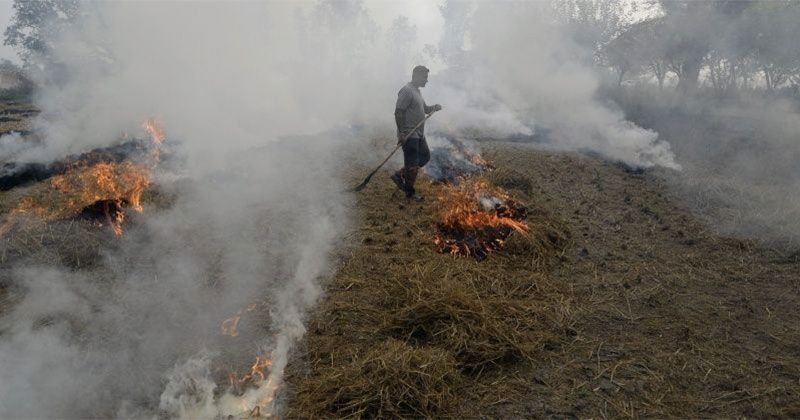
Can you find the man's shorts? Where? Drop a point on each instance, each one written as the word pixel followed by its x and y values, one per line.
pixel 416 153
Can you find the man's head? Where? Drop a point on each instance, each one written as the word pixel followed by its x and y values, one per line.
pixel 419 76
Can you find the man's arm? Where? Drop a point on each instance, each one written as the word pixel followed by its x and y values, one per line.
pixel 403 102
pixel 429 109
pixel 399 120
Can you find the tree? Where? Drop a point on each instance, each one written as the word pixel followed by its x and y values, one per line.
pixel 594 23
pixel 13 79
pixel 36 25
pixel 687 39
pixel 639 47
pixel 771 33
pixel 456 15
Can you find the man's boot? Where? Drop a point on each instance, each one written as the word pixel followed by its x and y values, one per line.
pixel 411 178
pixel 399 179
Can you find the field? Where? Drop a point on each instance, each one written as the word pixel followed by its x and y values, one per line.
pixel 619 303
pixel 637 309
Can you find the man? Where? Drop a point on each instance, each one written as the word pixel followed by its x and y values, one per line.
pixel 410 111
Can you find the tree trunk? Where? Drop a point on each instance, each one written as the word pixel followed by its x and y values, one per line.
pixel 690 72
pixel 768 78
pixel 659 72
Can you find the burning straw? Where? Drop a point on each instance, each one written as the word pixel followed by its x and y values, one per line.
pixel 93 189
pixel 476 219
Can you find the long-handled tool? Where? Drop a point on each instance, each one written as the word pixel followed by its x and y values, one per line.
pixel 399 145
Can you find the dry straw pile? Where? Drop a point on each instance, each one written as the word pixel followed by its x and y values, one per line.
pixel 394 379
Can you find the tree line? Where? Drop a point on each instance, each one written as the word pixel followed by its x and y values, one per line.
pixel 726 45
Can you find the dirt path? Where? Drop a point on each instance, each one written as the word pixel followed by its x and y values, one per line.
pixel 649 313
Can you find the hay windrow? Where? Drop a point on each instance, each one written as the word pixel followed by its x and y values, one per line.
pixel 394 379
pixel 434 308
pixel 511 179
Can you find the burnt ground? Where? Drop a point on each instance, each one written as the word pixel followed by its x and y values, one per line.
pixel 639 309
pixel 648 312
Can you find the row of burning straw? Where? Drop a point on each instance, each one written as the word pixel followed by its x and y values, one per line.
pixel 475 219
pixel 104 187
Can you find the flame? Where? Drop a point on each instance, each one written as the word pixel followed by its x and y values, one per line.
pixel 67 194
pixel 155 130
pixel 476 219
pixel 230 326
pixel 113 185
pixel 471 155
pixel 257 388
pixel 257 375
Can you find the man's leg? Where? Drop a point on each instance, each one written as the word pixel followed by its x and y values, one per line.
pixel 424 153
pixel 399 179
pixel 409 157
pixel 411 154
pixel 411 178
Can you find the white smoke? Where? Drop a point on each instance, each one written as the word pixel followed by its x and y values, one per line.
pixel 254 217
pixel 257 208
pixel 522 65
pixel 12 145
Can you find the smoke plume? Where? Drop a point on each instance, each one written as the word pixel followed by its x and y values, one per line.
pixel 250 95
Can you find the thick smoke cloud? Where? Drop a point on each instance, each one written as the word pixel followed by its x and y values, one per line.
pixel 523 68
pixel 254 216
pixel 250 92
pixel 729 108
pixel 739 156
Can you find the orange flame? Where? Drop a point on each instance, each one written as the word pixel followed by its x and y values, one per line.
pixel 257 379
pixel 230 326
pixel 112 184
pixel 476 219
pixel 256 375
pixel 471 155
pixel 67 194
pixel 154 128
